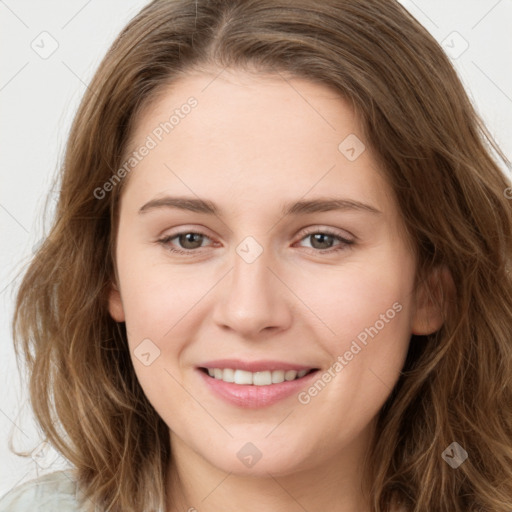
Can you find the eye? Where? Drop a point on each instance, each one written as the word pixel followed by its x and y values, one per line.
pixel 191 241
pixel 322 240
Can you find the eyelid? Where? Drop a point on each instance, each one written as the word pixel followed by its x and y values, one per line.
pixel 344 242
pixel 309 230
pixel 317 228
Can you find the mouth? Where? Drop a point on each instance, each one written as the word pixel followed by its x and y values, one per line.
pixel 255 389
pixel 260 378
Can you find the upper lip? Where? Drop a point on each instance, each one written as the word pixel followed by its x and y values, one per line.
pixel 254 366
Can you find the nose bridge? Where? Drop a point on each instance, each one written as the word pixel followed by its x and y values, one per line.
pixel 252 300
pixel 250 272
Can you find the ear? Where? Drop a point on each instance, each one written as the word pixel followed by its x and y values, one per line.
pixel 115 305
pixel 430 301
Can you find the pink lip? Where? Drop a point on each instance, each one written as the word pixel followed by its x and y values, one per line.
pixel 253 366
pixel 253 397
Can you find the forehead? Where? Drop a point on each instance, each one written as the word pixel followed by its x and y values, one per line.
pixel 251 136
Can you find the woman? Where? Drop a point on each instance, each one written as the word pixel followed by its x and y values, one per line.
pixel 367 370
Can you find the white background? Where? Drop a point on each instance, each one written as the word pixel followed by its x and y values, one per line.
pixel 38 98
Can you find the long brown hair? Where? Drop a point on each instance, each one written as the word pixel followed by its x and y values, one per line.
pixel 456 385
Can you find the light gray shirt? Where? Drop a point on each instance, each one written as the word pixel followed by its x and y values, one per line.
pixel 53 492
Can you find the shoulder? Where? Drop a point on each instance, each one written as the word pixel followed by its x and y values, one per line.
pixel 54 491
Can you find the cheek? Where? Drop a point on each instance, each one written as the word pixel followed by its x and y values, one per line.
pixel 158 303
pixel 155 294
pixel 354 295
pixel 365 309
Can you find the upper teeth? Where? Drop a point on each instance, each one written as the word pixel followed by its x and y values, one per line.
pixel 256 378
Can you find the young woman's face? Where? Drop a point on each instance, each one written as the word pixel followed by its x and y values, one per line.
pixel 271 281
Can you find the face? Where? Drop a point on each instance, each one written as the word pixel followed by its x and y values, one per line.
pixel 248 273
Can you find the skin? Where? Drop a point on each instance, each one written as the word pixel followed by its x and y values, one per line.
pixel 252 143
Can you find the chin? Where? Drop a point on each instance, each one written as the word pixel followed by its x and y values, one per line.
pixel 259 458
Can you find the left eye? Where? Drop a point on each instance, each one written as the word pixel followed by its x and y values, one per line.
pixel 327 237
pixel 191 240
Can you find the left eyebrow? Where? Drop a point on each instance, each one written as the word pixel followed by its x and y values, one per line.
pixel 293 208
pixel 326 205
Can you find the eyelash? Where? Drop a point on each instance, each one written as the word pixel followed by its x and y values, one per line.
pixel 344 245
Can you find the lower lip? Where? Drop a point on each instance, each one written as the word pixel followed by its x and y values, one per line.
pixel 253 397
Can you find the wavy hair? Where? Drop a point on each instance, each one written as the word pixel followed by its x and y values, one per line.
pixel 444 168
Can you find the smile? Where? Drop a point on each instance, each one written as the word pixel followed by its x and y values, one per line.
pixel 253 390
pixel 263 378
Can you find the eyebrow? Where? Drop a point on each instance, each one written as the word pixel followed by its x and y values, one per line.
pixel 294 208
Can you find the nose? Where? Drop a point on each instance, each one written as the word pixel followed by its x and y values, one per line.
pixel 253 299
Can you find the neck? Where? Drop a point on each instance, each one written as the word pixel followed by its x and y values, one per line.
pixel 335 485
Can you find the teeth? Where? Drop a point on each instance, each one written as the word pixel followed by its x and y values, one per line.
pixel 255 378
pixel 241 377
pixel 227 375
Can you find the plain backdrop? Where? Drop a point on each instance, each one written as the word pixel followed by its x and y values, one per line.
pixel 49 52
